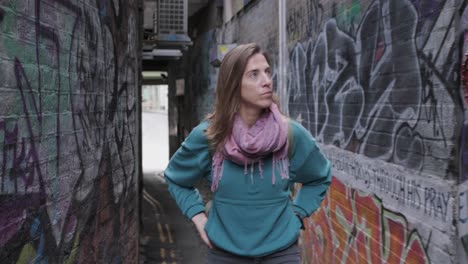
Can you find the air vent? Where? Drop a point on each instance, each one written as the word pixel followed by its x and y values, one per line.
pixel 172 17
pixel 165 35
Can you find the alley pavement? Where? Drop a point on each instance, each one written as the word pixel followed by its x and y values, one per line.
pixel 166 235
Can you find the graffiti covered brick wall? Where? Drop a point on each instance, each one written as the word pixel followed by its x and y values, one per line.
pixel 463 188
pixel 355 227
pixel 384 88
pixel 376 82
pixel 68 118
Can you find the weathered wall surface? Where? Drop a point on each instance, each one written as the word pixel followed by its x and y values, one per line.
pixel 257 22
pixel 463 188
pixel 68 131
pixel 377 83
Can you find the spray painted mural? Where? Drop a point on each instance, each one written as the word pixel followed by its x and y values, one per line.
pixel 463 188
pixel 69 78
pixel 384 88
pixel 352 227
pixel 380 79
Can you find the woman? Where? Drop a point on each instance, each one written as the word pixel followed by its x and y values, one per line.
pixel 242 148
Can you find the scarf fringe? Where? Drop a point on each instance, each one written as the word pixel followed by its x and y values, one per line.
pixel 281 165
pixel 217 169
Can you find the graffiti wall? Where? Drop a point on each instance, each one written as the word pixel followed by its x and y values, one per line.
pixel 385 88
pixel 377 84
pixel 68 131
pixel 376 212
pixel 353 227
pixel 463 188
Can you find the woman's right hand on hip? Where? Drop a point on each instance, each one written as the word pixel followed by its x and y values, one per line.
pixel 200 221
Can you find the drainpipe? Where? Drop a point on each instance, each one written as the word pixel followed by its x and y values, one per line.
pixel 283 58
pixel 227 10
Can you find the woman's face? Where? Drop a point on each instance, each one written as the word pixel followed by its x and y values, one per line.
pixel 256 84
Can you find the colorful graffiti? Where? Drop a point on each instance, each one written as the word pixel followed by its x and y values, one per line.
pixel 348 15
pixel 67 131
pixel 353 227
pixel 382 90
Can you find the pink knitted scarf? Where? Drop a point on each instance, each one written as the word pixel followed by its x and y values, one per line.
pixel 247 146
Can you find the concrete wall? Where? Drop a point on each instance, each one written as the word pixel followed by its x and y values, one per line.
pixel 377 82
pixel 69 148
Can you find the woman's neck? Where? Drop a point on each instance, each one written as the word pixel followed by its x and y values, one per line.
pixel 250 115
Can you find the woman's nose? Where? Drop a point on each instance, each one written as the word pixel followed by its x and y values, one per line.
pixel 266 79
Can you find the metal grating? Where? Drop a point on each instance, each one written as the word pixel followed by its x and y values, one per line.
pixel 172 17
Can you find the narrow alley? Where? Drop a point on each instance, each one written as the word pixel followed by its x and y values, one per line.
pixel 97 95
pixel 166 236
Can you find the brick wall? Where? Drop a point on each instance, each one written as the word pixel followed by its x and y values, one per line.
pixel 68 131
pixel 463 188
pixel 377 83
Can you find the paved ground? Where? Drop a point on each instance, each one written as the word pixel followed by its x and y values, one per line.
pixel 166 235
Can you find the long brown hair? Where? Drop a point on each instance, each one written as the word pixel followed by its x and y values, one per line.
pixel 228 92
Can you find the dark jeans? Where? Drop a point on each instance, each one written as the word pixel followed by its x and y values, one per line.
pixel 290 255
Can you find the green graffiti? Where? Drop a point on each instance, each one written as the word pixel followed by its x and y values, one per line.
pixel 28 254
pixel 71 258
pixel 349 16
pixel 45 60
pixel 7 23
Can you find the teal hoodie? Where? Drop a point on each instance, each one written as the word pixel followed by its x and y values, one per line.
pixel 249 215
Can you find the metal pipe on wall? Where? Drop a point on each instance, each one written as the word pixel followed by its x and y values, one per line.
pixel 283 57
pixel 227 10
